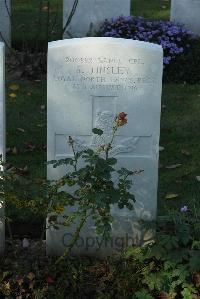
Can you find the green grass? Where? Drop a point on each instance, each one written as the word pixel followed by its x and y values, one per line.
pixel 180 132
pixel 24 112
pixel 30 21
pixel 151 9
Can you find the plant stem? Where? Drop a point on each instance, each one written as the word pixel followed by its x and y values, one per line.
pixel 75 166
pixel 71 143
pixel 43 229
pixel 110 143
pixel 72 12
pixel 74 239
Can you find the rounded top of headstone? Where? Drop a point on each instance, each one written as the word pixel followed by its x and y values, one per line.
pixel 105 40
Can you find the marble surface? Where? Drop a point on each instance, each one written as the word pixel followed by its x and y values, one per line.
pixel 92 12
pixel 5 24
pixel 90 80
pixel 187 12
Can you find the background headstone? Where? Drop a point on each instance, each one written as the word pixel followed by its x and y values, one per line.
pixel 5 21
pixel 90 80
pixel 186 12
pixel 92 12
pixel 2 138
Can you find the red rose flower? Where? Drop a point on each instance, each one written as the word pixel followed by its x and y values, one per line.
pixel 121 119
pixel 122 116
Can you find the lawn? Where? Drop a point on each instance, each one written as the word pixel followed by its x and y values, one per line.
pixel 180 134
pixel 34 24
pixel 151 9
pixel 26 126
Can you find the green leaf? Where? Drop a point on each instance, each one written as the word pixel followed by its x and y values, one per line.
pixel 51 162
pixel 170 242
pixel 184 233
pixel 60 162
pixel 187 294
pixel 111 161
pixel 89 152
pixel 143 294
pixel 97 131
pixel 195 261
pixel 154 281
pixel 196 245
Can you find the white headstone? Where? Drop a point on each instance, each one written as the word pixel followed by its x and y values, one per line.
pixel 186 12
pixel 5 21
pixel 90 13
pixel 90 80
pixel 2 138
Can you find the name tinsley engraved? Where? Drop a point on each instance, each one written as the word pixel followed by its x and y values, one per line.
pixel 103 72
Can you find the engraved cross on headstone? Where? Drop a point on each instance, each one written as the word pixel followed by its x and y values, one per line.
pixel 104 111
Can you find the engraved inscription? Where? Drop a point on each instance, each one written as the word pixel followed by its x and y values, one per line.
pixel 105 73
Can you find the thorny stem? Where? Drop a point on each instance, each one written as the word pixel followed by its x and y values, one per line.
pixel 110 143
pixel 74 239
pixel 71 143
pixel 49 205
